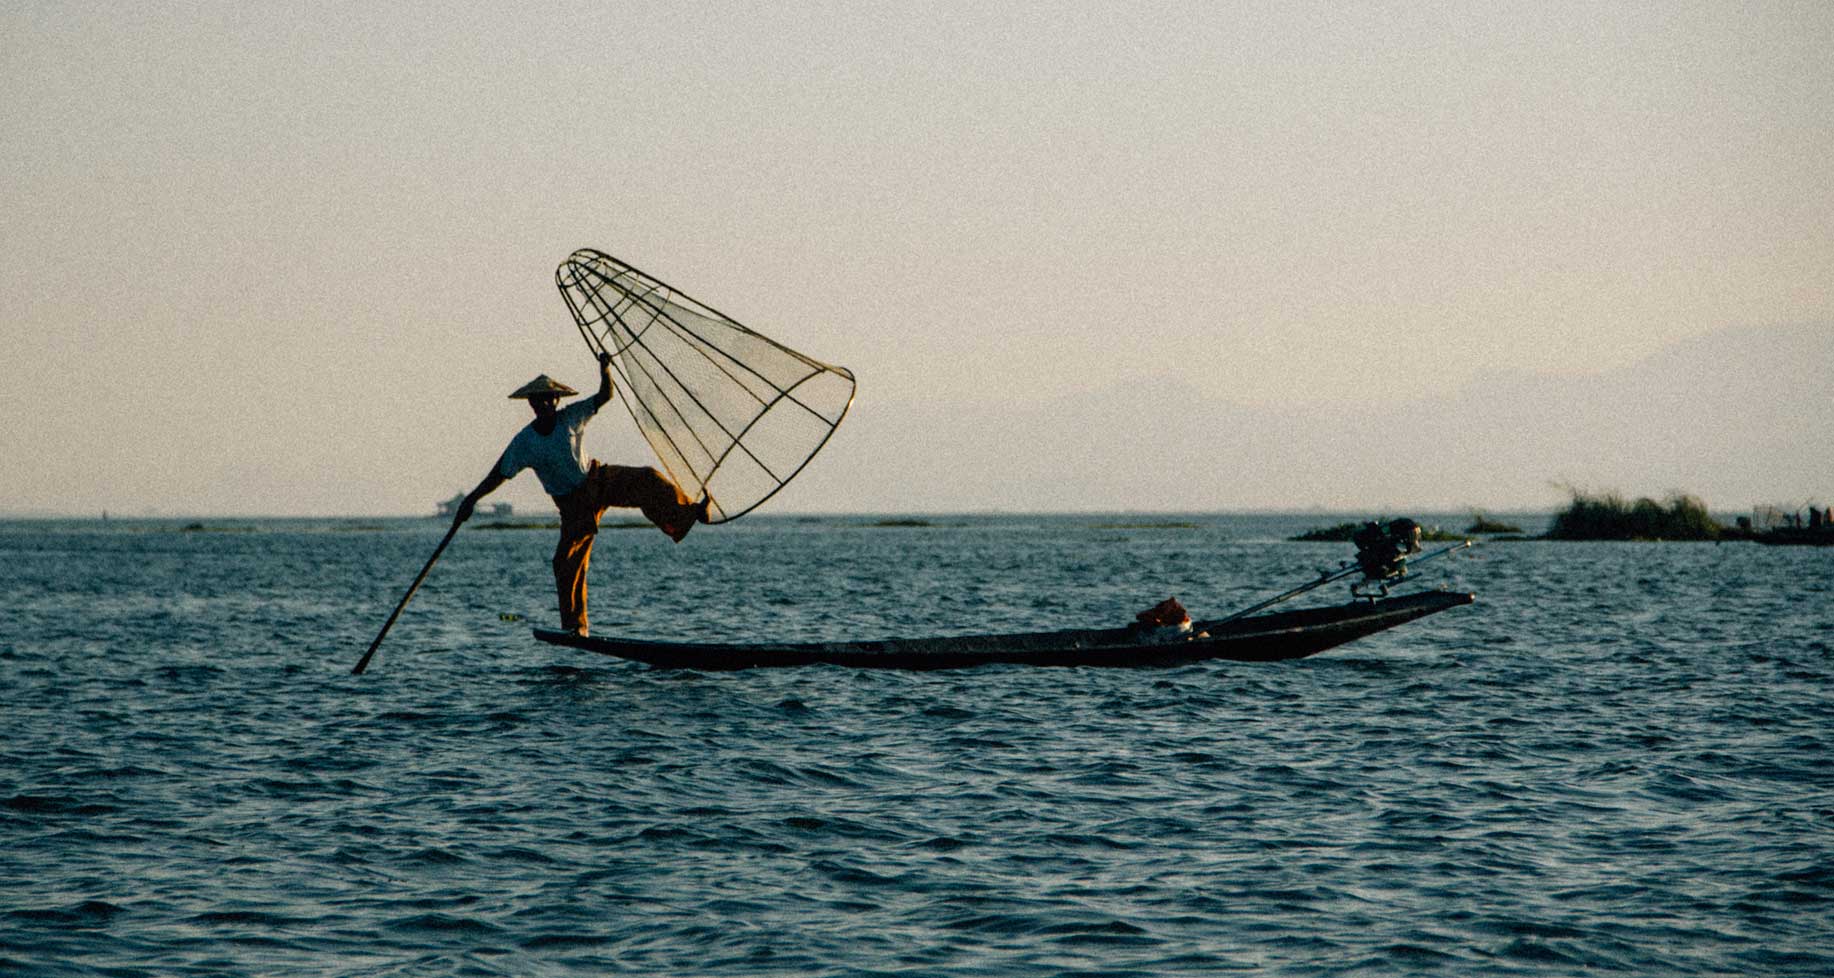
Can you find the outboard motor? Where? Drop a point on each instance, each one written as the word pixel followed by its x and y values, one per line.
pixel 1382 550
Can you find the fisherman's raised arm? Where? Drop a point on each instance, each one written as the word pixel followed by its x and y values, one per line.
pixel 603 397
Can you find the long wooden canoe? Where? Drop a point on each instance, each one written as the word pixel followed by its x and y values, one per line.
pixel 1260 638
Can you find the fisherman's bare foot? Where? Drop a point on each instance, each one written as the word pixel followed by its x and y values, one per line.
pixel 580 632
pixel 699 513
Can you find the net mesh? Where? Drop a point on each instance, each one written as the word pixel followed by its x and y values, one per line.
pixel 731 414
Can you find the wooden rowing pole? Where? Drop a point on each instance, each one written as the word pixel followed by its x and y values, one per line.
pixel 363 663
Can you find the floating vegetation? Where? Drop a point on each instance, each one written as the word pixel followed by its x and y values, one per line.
pixel 1482 524
pixel 918 524
pixel 1341 533
pixel 1434 534
pixel 1610 517
pixel 202 528
pixel 1346 533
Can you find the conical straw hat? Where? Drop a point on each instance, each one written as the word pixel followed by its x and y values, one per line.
pixel 541 385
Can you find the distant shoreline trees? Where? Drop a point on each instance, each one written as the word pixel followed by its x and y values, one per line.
pixel 1588 516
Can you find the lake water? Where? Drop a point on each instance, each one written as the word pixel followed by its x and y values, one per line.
pixel 1617 760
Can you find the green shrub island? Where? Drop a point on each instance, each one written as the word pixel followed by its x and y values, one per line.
pixel 1610 517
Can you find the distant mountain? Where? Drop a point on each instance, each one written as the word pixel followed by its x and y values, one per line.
pixel 1737 417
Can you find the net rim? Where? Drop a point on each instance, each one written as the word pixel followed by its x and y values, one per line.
pixel 853 389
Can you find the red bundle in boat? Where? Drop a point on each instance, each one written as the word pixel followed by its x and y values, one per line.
pixel 1166 614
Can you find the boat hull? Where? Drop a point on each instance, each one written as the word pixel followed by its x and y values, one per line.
pixel 1796 537
pixel 1261 638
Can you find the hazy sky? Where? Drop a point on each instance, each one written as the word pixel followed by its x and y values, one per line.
pixel 289 258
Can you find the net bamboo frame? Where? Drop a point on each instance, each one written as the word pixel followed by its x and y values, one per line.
pixel 731 414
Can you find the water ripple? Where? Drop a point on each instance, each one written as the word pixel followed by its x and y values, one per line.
pixel 1615 762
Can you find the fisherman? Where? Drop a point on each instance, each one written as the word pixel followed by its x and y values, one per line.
pixel 582 491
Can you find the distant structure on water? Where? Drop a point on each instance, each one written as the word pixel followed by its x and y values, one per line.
pixel 495 510
pixel 1775 525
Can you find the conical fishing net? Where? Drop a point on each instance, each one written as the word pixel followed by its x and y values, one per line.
pixel 730 413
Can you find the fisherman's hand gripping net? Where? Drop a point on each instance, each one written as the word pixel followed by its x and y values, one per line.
pixel 732 415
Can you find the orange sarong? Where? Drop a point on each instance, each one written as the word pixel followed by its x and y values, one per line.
pixel 643 487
